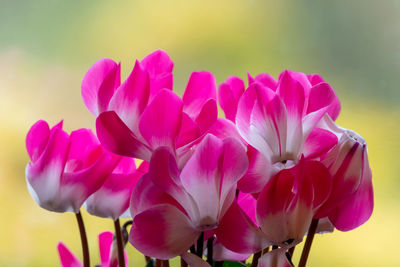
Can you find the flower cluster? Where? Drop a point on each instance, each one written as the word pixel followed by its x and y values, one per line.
pixel 275 169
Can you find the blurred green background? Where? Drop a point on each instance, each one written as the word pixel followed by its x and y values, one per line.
pixel 47 46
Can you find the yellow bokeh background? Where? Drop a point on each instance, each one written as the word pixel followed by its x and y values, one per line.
pixel 47 46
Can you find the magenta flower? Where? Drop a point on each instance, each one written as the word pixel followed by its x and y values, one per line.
pixel 170 208
pixel 280 124
pixel 107 248
pixel 284 210
pixel 65 169
pixel 112 199
pixel 352 200
pixel 141 114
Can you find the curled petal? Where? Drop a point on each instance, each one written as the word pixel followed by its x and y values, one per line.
pixel 99 84
pixel 323 95
pixel 159 66
pixel 118 138
pixel 318 143
pixel 36 139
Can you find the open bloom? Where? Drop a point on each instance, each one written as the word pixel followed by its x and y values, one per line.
pixel 283 213
pixel 112 199
pixel 141 114
pixel 65 169
pixel 280 124
pixel 107 248
pixel 352 200
pixel 170 208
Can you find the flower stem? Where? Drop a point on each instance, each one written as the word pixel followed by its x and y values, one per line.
pixel 307 245
pixel 210 251
pixel 256 257
pixel 200 242
pixel 120 244
pixel 85 246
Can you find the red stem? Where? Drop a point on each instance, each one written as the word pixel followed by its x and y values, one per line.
pixel 307 245
pixel 85 246
pixel 120 244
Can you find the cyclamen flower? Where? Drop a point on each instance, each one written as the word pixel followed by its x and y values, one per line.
pixel 280 124
pixel 283 210
pixel 107 248
pixel 141 114
pixel 170 208
pixel 65 169
pixel 352 200
pixel 112 199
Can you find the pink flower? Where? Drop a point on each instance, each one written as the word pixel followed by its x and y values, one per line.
pixel 141 114
pixel 170 208
pixel 280 123
pixel 108 253
pixel 283 213
pixel 65 169
pixel 352 200
pixel 112 199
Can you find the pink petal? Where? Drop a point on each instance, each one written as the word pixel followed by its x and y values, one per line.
pixel 357 209
pixel 99 84
pixel 258 173
pixel 67 259
pixel 234 165
pixel 118 138
pixel 159 66
pixel 112 199
pixel 82 144
pixel 76 187
pixel 200 88
pixel 270 126
pixel 43 176
pixel 189 131
pixel 229 94
pixel 238 233
pixel 267 80
pixel 146 195
pixel 247 203
pixel 318 143
pixel 293 95
pixel 315 79
pixel 272 204
pixel 162 232
pixel 322 95
pixel 208 115
pixel 164 173
pixel 201 179
pixel 36 139
pixel 131 97
pixel 194 260
pixel 274 258
pixel 105 243
pixel 161 120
